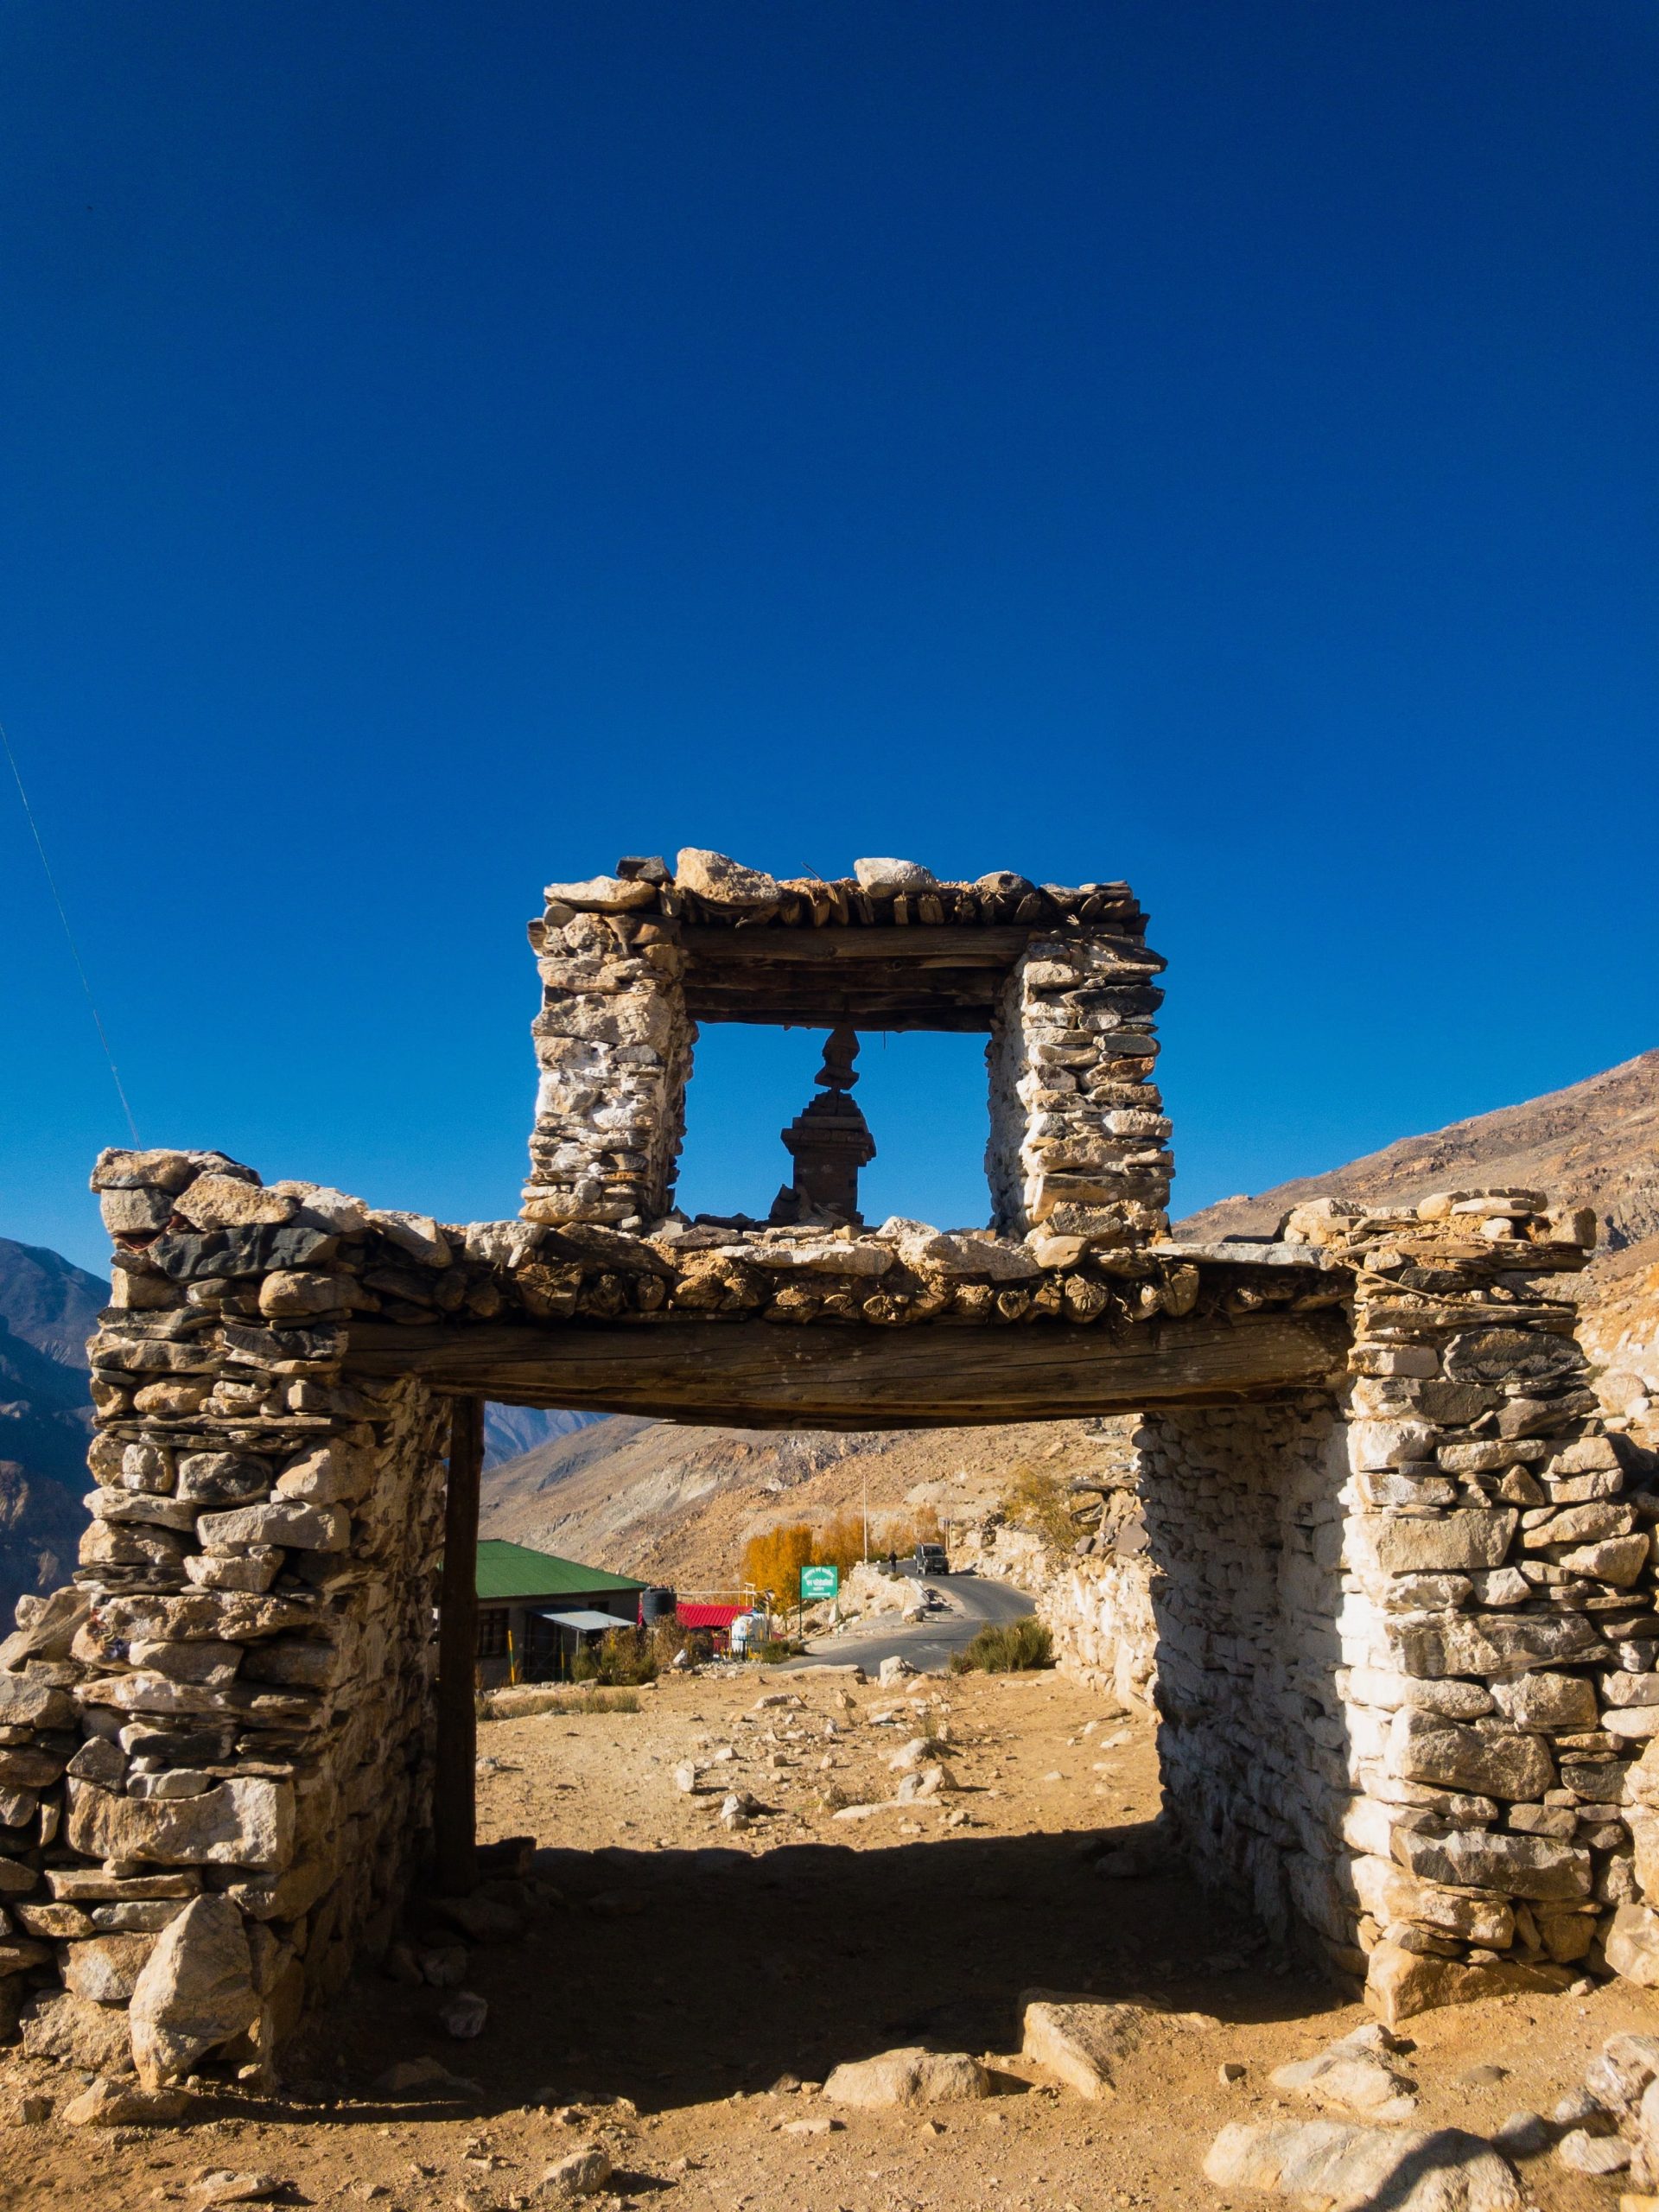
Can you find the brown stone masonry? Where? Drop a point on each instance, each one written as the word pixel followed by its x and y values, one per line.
pixel 1399 1563
pixel 1060 980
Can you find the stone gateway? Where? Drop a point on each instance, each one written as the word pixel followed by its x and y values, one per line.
pixel 1400 1563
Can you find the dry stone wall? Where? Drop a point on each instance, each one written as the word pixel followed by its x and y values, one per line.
pixel 1407 1641
pixel 1078 1137
pixel 1244 1518
pixel 215 1742
pixel 1077 1147
pixel 1097 1608
pixel 1405 1635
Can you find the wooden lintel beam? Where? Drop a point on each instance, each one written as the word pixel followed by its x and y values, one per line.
pixel 943 945
pixel 973 985
pixel 818 1375
pixel 827 1009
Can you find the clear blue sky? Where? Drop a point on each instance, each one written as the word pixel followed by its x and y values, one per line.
pixel 445 448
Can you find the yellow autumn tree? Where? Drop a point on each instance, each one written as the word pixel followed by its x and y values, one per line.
pixel 839 1542
pixel 772 1559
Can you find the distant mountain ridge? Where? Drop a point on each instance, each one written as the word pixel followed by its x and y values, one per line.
pixel 1595 1143
pixel 48 1301
pixel 510 1431
pixel 48 1308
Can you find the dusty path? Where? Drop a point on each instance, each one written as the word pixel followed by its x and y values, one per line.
pixel 686 1970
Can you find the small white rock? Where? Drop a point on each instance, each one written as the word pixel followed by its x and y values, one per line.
pixel 1594 2154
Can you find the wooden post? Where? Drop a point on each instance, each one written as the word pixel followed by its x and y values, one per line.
pixel 455 1812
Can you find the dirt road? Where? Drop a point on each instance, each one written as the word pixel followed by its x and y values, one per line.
pixel 665 1985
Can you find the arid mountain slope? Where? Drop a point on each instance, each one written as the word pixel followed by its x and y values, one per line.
pixel 1595 1143
pixel 664 1501
pixel 48 1301
pixel 510 1431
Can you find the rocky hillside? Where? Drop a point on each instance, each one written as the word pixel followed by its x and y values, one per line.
pixel 510 1431
pixel 48 1307
pixel 664 1501
pixel 1595 1143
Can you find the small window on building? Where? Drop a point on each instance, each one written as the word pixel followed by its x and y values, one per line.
pixel 492 1634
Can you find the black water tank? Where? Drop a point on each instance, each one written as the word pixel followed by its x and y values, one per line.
pixel 655 1604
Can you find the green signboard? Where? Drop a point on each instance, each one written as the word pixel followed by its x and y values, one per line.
pixel 819 1582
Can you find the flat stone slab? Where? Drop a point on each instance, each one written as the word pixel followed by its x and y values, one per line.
pixel 1329 2163
pixel 1083 2040
pixel 908 2076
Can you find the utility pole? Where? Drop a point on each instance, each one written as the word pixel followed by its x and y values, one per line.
pixel 867 1517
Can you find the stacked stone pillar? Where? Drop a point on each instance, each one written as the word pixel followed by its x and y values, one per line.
pixel 1077 1148
pixel 1408 1639
pixel 613 1044
pixel 215 1743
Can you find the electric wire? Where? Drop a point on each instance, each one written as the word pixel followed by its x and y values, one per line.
pixel 74 950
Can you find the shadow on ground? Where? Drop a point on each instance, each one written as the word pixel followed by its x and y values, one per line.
pixel 677 1977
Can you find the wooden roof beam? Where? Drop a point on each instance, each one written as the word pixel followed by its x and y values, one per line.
pixel 763 1375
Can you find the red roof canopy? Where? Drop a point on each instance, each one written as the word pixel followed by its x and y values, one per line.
pixel 690 1615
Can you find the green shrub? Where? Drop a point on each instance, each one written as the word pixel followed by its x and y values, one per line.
pixel 626 1655
pixel 1007 1648
pixel 771 1654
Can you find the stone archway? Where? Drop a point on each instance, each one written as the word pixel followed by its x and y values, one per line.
pixel 1404 1592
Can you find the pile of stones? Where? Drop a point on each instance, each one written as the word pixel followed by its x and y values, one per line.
pixel 1611 2124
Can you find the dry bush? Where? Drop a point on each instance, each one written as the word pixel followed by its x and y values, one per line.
pixel 626 1655
pixel 1036 1500
pixel 593 1699
pixel 523 1704
pixel 669 1639
pixel 1007 1648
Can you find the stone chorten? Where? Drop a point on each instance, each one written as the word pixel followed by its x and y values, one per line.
pixel 829 1141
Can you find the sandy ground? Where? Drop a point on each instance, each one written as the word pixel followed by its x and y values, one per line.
pixel 679 1989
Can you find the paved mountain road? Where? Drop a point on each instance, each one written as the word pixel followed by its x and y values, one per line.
pixel 971 1600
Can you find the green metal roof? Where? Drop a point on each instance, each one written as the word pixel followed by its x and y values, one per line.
pixel 515 1570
